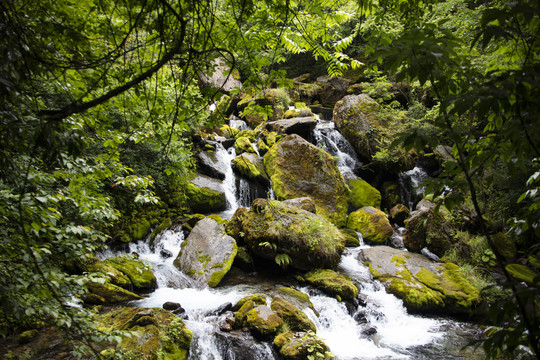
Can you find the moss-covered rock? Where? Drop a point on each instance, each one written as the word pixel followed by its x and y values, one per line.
pixel 139 274
pixel 228 131
pixel 331 282
pixel 27 336
pixel 429 228
pixel 298 168
pixel 399 213
pixel 351 237
pixel 302 126
pixel 296 298
pixel 422 284
pixel 251 166
pixel 305 203
pixel 363 194
pixel 297 113
pixel 523 273
pixel 372 223
pixel 263 321
pixel 208 252
pixel 240 316
pixel 95 265
pixel 263 148
pixel 294 317
pixel 243 145
pixel 301 346
pixel 277 231
pixel 205 194
pixel 164 225
pixel 258 299
pixel 390 194
pixel 152 332
pixel 107 293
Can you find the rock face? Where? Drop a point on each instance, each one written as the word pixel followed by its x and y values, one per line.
pixel 298 168
pixel 210 165
pixel 208 253
pixel 251 166
pixel 302 126
pixel 422 284
pixel 428 228
pixel 152 331
pixel 280 232
pixel 372 223
pixel 355 117
pixel 205 194
pixel 221 78
pixel 363 194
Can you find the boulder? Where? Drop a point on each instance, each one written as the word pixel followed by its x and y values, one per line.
pixel 280 232
pixel 298 168
pixel 305 203
pixel 297 113
pixel 301 346
pixel 356 118
pixel 372 223
pixel 422 284
pixel 363 194
pixel 140 276
pixel 220 77
pixel 399 213
pixel 205 194
pixel 294 317
pixel 257 299
pixel 331 89
pixel 211 165
pixel 297 298
pixel 263 321
pixel 243 145
pixel 107 293
pixel 152 331
pixel 351 237
pixel 332 283
pixel 302 126
pixel 428 228
pixel 208 252
pixel 251 166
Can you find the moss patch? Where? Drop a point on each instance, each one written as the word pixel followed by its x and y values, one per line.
pixel 372 223
pixel 363 194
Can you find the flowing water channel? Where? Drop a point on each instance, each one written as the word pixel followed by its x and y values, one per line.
pixel 378 328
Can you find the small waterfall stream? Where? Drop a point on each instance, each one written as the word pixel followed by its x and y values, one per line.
pixel 380 328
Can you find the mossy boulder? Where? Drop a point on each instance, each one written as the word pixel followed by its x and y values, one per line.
pixel 258 299
pixel 294 317
pixel 152 332
pixel 251 166
pixel 351 237
pixel 372 223
pixel 95 265
pixel 274 230
pixel 305 203
pixel 298 168
pixel 296 297
pixel 263 147
pixel 208 252
pixel 107 293
pixel 140 276
pixel 356 118
pixel 399 213
pixel 164 225
pixel 263 321
pixel 243 145
pixel 298 113
pixel 363 194
pixel 422 284
pixel 228 131
pixel 331 282
pixel 205 194
pixel 429 228
pixel 301 346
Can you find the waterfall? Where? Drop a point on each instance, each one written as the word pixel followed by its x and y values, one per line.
pixel 410 189
pixel 327 137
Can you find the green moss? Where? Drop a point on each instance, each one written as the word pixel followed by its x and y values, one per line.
pixel 372 223
pixel 332 282
pixel 257 299
pixel 250 170
pixel 108 293
pixel 298 295
pixel 243 144
pixel 263 320
pixel 363 194
pixel 165 224
pixel 415 297
pixel 140 229
pixel 205 199
pixel 216 276
pixel 294 317
pixel 376 274
pixel 140 276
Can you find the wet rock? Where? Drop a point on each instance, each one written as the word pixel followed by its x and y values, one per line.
pixel 302 126
pixel 263 321
pixel 172 306
pixel 243 145
pixel 369 331
pixel 372 223
pixel 210 164
pixel 294 317
pixel 422 284
pixel 298 168
pixel 208 252
pixel 363 194
pixel 277 231
pixel 296 298
pixel 257 299
pixel 399 213
pixel 351 237
pixel 331 282
pixel 222 309
pixel 140 276
pixel 107 293
pixel 301 346
pixel 251 167
pixel 166 253
pixel 205 194
pixel 431 256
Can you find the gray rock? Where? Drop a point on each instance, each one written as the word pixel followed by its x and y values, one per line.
pixel 429 254
pixel 304 203
pixel 207 253
pixel 210 165
pixel 221 78
pixel 301 126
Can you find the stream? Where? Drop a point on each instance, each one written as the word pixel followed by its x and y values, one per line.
pixel 377 328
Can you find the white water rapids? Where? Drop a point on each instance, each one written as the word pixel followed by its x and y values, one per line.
pixel 380 328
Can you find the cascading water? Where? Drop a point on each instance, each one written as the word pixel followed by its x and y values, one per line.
pixel 380 328
pixel 409 183
pixel 327 137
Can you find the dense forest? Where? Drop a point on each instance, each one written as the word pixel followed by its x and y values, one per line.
pixel 104 104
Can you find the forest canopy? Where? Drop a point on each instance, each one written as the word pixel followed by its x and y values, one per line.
pixel 100 101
